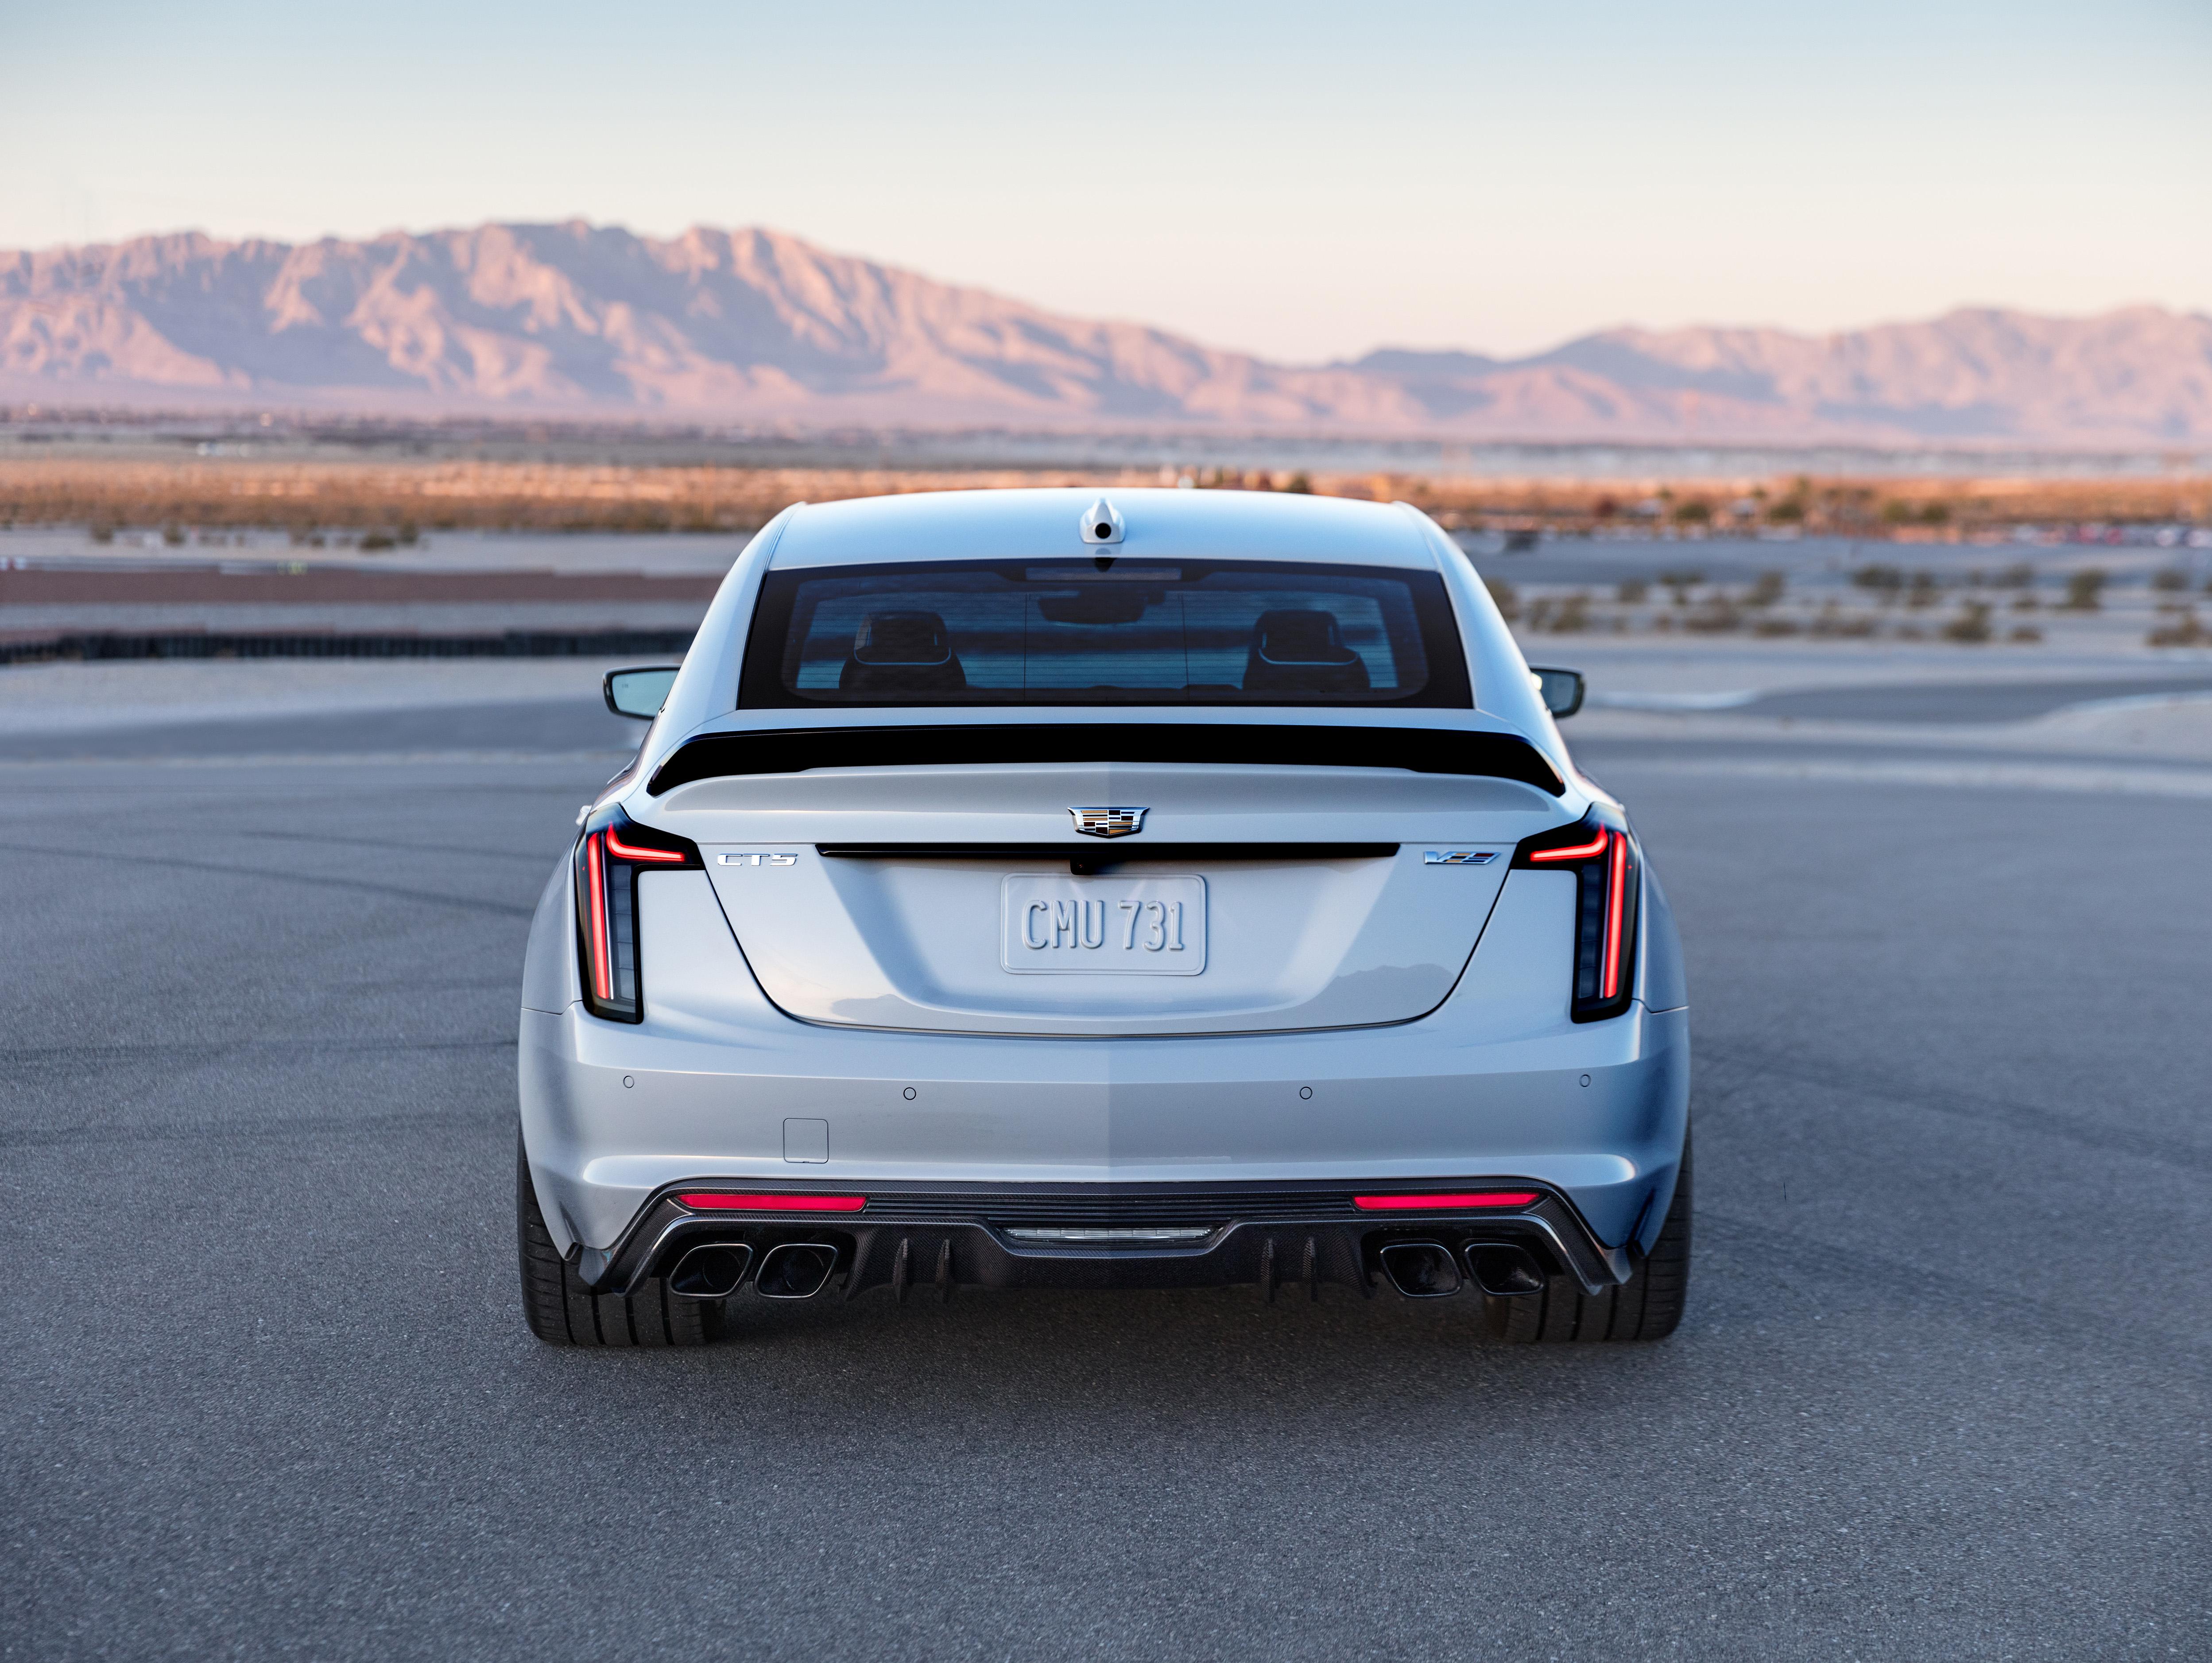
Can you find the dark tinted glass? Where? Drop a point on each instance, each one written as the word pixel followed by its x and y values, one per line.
pixel 1216 633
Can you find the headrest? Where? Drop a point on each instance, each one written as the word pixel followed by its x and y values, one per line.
pixel 1297 636
pixel 902 638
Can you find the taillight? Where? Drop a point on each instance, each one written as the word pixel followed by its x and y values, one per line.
pixel 1600 851
pixel 613 852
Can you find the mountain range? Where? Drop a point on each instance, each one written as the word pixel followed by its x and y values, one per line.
pixel 757 326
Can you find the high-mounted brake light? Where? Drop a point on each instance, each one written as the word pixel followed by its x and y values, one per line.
pixel 723 1201
pixel 1460 1203
pixel 611 855
pixel 1601 852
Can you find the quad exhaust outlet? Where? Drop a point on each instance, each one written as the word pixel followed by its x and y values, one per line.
pixel 1421 1270
pixel 1503 1270
pixel 1429 1269
pixel 795 1269
pixel 711 1271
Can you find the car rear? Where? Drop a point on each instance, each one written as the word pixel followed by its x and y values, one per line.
pixel 994 903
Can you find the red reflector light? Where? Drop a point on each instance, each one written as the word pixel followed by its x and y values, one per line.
pixel 721 1201
pixel 1497 1198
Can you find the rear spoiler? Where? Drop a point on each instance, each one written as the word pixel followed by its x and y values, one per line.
pixel 1419 749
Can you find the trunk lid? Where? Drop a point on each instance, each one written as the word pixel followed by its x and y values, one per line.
pixel 1253 899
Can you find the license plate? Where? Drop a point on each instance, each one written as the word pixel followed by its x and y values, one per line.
pixel 1140 926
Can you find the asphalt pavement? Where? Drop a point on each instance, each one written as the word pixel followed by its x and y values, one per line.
pixel 1942 1390
pixel 1991 701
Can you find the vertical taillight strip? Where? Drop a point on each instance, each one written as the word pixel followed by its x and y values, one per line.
pixel 1616 889
pixel 1601 852
pixel 612 853
pixel 595 894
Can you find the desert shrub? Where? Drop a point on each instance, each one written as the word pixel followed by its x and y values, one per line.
pixel 1923 591
pixel 1767 590
pixel 2171 581
pixel 2084 590
pixel 1834 621
pixel 1884 581
pixel 1971 626
pixel 1681 583
pixel 1632 590
pixel 1790 511
pixel 1507 597
pixel 2025 633
pixel 2186 631
pixel 1573 616
pixel 375 543
pixel 1695 512
pixel 2018 576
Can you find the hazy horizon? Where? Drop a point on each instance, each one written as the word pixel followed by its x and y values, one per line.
pixel 1537 350
pixel 755 324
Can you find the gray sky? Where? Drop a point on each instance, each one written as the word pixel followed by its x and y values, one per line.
pixel 1301 181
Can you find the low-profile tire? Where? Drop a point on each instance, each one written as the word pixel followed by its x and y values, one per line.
pixel 562 1311
pixel 1648 1306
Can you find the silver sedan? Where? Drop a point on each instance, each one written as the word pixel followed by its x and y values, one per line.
pixel 1037 887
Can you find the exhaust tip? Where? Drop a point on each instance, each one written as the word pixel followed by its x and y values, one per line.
pixel 1503 1270
pixel 712 1270
pixel 1420 1269
pixel 796 1270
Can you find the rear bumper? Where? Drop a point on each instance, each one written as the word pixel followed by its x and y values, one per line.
pixel 615 1117
pixel 1300 1237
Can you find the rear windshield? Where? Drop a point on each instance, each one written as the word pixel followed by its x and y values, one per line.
pixel 1103 631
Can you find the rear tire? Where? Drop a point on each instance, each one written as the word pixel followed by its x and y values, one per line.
pixel 1648 1306
pixel 562 1311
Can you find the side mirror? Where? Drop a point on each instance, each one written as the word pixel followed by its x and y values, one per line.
pixel 639 692
pixel 1561 689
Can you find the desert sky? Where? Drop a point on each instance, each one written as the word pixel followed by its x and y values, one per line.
pixel 1301 181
